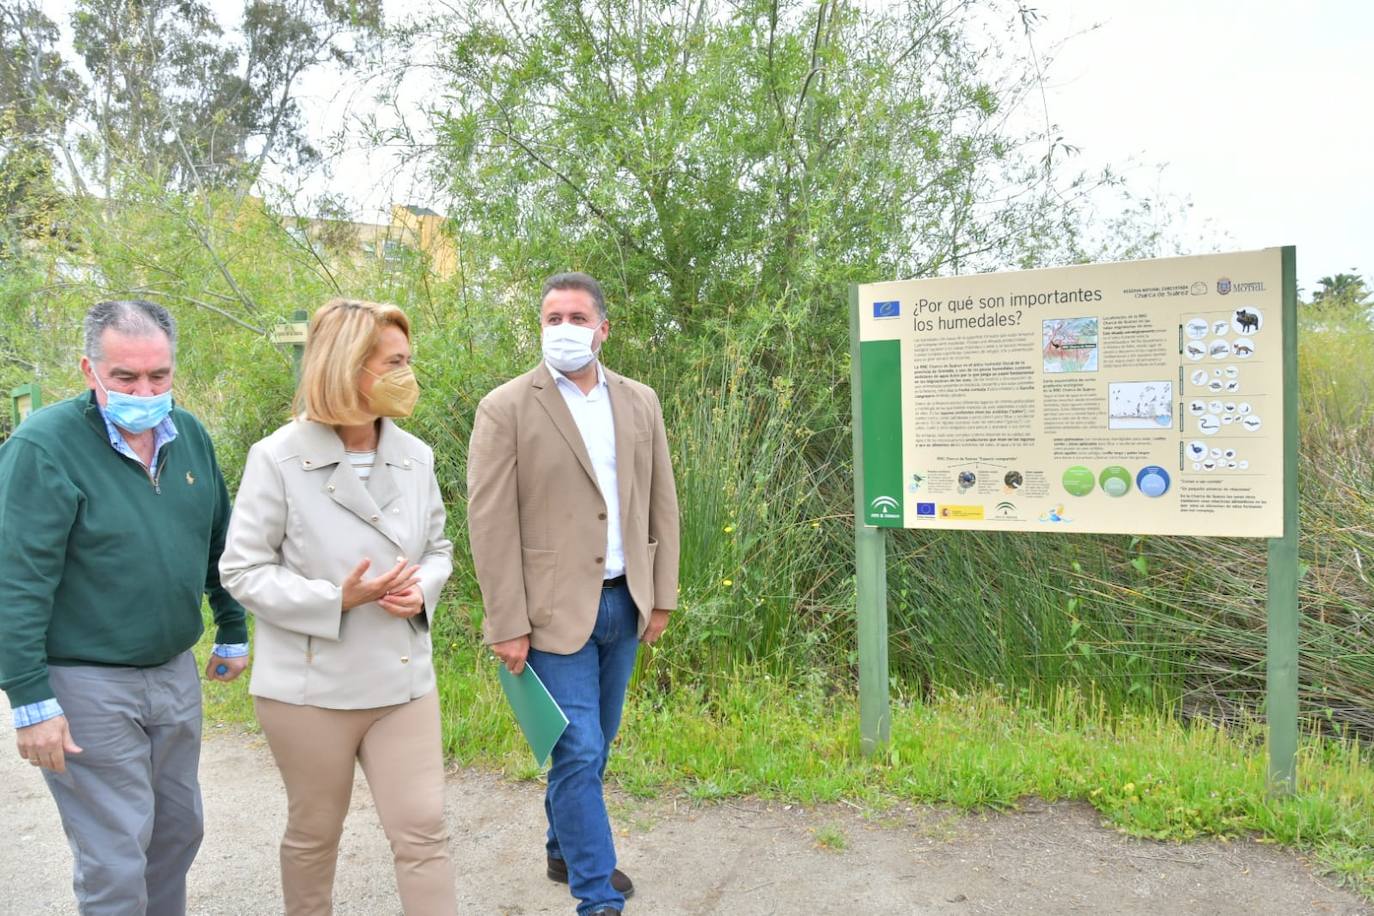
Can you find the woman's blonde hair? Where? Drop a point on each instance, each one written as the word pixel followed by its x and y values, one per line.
pixel 341 336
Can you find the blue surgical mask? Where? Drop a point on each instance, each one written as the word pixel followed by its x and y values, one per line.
pixel 132 412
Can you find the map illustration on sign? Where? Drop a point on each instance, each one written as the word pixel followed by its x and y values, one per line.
pixel 1070 344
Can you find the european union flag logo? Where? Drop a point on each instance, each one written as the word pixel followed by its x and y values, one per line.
pixel 925 509
pixel 891 309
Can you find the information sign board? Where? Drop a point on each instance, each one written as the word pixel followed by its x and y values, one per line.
pixel 1140 397
pixel 289 332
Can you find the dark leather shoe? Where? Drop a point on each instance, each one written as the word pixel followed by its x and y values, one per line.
pixel 558 871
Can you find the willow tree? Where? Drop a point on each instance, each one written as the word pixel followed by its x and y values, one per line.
pixel 745 159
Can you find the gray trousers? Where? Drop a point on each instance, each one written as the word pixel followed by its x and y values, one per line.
pixel 130 801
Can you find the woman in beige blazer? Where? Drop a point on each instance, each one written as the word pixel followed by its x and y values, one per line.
pixel 336 545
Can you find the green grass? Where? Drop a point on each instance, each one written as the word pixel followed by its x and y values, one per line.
pixel 830 837
pixel 749 733
pixel 1148 774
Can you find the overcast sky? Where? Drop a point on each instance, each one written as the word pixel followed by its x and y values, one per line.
pixel 1261 112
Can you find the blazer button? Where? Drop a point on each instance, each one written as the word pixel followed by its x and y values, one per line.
pixel 400 559
pixel 601 516
pixel 600 560
pixel 376 518
pixel 330 488
pixel 405 659
pixel 307 463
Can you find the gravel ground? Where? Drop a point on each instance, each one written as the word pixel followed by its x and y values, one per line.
pixel 745 857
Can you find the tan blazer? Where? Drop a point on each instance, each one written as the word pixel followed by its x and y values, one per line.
pixel 302 520
pixel 537 521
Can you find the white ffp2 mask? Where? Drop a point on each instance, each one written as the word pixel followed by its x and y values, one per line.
pixel 568 347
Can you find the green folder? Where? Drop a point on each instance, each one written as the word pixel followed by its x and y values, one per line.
pixel 539 716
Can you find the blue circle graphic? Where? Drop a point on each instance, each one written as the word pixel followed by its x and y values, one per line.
pixel 1152 480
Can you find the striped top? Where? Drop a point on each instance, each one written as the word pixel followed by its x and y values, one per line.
pixel 362 463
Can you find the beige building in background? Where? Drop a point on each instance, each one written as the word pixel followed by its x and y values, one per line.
pixel 423 229
pixel 413 228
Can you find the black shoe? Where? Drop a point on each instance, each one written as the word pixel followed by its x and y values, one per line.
pixel 558 871
pixel 606 911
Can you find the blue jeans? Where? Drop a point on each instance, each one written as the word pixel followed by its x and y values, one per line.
pixel 590 686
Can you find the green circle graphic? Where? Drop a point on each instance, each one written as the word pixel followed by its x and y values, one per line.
pixel 1078 481
pixel 1115 480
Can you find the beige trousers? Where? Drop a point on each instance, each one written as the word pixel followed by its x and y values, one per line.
pixel 399 749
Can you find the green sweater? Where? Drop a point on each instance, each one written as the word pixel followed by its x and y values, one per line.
pixel 97 565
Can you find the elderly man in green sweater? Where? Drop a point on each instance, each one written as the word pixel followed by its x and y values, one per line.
pixel 112 518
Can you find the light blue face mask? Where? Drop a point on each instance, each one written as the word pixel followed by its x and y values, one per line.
pixel 132 412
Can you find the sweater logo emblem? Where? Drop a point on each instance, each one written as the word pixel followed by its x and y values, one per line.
pixel 190 478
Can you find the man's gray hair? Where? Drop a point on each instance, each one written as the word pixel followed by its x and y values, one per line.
pixel 134 317
pixel 576 280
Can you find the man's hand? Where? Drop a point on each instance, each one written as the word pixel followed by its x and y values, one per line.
pixel 405 603
pixel 357 590
pixel 658 622
pixel 46 744
pixel 233 667
pixel 512 652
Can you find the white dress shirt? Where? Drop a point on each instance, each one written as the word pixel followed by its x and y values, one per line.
pixel 592 414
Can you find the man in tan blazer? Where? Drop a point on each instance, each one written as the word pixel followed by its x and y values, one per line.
pixel 573 519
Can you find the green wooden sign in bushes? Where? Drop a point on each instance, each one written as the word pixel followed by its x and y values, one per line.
pixel 24 400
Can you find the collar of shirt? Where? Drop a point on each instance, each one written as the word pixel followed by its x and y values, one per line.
pixel 560 379
pixel 163 433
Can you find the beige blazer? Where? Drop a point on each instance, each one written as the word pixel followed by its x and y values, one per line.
pixel 302 520
pixel 537 521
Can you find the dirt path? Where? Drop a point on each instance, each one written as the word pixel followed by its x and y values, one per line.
pixel 743 857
